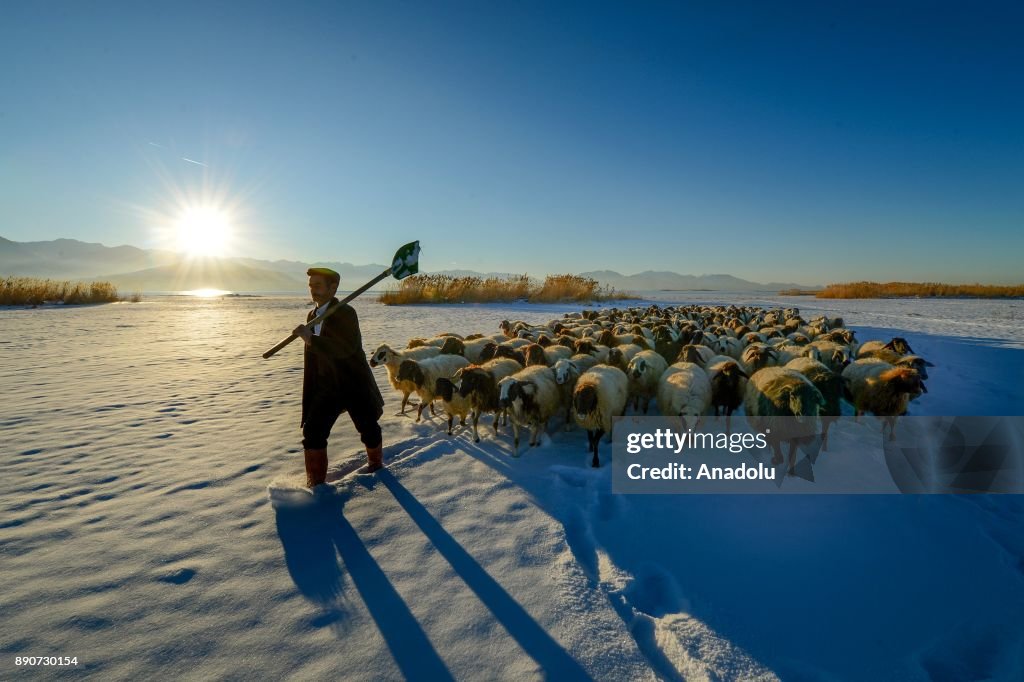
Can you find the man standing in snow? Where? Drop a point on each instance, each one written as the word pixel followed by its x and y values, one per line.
pixel 336 378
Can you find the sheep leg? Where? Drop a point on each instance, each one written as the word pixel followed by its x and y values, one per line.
pixel 776 452
pixel 476 420
pixel 515 438
pixel 826 422
pixel 792 457
pixel 405 401
pixel 596 463
pixel 419 411
pixel 450 420
pixel 432 411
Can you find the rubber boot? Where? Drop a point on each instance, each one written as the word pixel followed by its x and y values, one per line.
pixel 316 467
pixel 375 458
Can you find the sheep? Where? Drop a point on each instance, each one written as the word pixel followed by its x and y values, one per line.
pixel 493 350
pixel 556 353
pixel 455 404
pixel 833 355
pixel 392 359
pixel 882 389
pixel 453 346
pixel 829 383
pixel 697 354
pixel 789 351
pixel 643 373
pixel 757 356
pixel 684 391
pixel 474 347
pixel 531 398
pixel 727 380
pixel 438 340
pixel 479 383
pixel 896 359
pixel 773 397
pixel 897 345
pixel 587 347
pixel 600 395
pixel 425 373
pixel 534 355
pixel 729 345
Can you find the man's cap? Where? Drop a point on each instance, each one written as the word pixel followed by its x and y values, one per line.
pixel 331 275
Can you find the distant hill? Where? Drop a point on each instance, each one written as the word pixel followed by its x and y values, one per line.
pixel 652 280
pixel 134 269
pixel 211 273
pixel 70 258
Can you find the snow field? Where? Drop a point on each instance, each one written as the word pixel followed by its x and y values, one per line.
pixel 137 532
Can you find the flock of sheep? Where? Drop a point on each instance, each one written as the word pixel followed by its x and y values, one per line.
pixel 694 361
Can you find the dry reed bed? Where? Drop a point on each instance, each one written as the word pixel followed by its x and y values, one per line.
pixel 35 291
pixel 918 290
pixel 449 289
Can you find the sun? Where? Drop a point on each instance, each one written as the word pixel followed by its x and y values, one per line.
pixel 203 231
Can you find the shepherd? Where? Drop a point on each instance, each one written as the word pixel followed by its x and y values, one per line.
pixel 336 378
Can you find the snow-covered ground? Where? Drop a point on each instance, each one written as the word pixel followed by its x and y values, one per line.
pixel 138 533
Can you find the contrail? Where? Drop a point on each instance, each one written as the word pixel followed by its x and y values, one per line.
pixel 158 146
pixel 198 163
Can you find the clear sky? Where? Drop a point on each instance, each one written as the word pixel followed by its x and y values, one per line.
pixel 809 142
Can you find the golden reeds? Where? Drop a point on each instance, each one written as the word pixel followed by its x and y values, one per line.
pixel 449 289
pixel 919 290
pixel 35 291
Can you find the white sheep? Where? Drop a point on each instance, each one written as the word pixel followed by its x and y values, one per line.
pixel 531 398
pixel 600 395
pixel 643 373
pixel 392 359
pixel 684 391
pixel 425 373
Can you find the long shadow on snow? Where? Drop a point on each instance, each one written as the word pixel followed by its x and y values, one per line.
pixel 542 648
pixel 793 580
pixel 313 536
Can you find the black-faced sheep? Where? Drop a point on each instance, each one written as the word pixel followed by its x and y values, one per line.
pixel 455 405
pixel 727 380
pixel 600 395
pixel 479 383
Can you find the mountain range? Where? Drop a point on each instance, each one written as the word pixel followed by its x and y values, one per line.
pixel 134 269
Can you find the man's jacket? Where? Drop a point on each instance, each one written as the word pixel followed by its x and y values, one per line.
pixel 335 364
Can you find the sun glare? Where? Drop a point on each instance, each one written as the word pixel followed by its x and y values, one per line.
pixel 203 231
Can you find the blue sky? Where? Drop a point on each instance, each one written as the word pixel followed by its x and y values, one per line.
pixel 810 142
